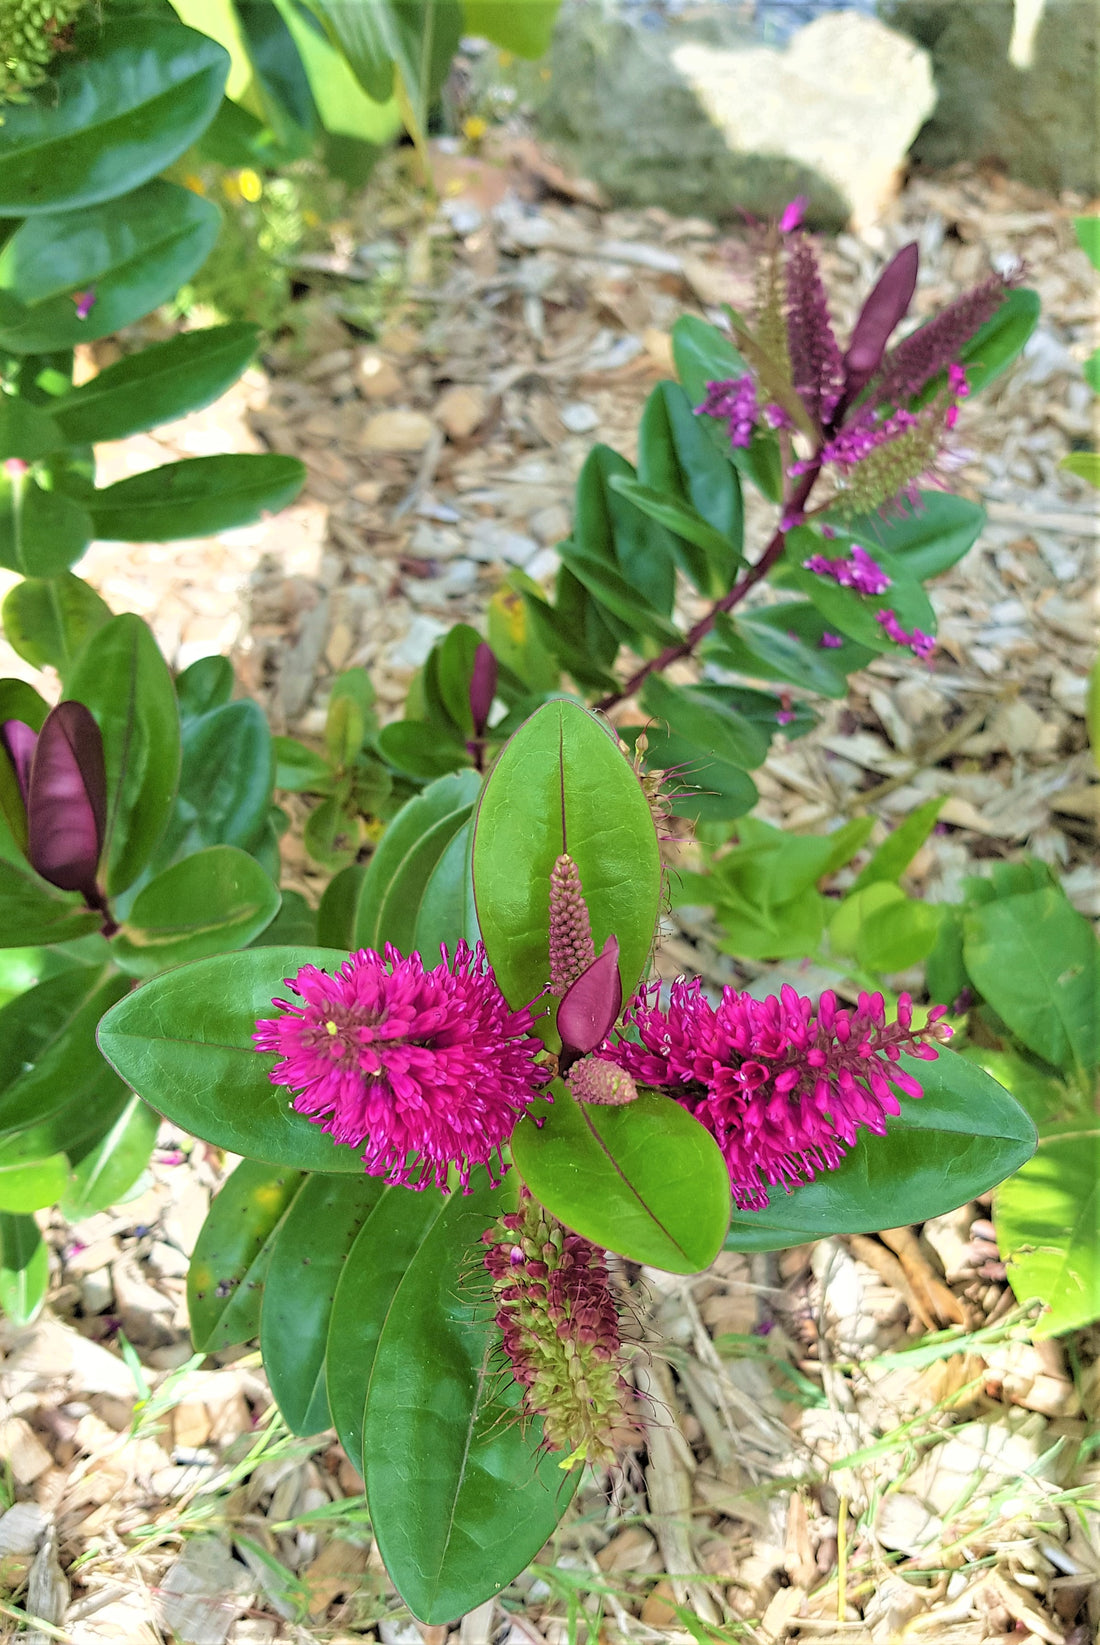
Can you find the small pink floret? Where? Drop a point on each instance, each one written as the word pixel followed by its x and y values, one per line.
pixel 793 214
pixel 424 1070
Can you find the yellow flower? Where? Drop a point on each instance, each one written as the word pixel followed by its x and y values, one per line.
pixel 195 184
pixel 474 128
pixel 231 188
pixel 250 185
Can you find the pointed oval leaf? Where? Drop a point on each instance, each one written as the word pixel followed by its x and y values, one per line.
pixel 196 497
pixel 123 679
pixel 965 1135
pixel 308 1258
pixel 211 902
pixel 1046 1217
pixel 706 722
pixel 32 912
pixel 447 914
pixel 398 873
pixel 42 534
pixel 365 1296
pixel 460 1497
pixel 107 1171
pixel 111 118
pixel 133 254
pixel 645 1180
pixel 48 621
pixel 157 385
pixel 48 1053
pixel 24 1269
pixel 225 1281
pixel 183 1041
pixel 562 784
pixel 225 786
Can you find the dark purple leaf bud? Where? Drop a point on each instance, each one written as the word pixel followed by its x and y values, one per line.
pixel 19 740
pixel 67 800
pixel 483 685
pixel 884 309
pixel 590 1007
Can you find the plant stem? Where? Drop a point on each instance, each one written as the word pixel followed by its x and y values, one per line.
pixel 754 575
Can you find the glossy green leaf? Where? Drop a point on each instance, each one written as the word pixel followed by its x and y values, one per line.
pixel 331 834
pixel 447 913
pixel 645 1180
pixel 122 677
pixel 209 903
pixel 678 460
pixel 48 1051
pixel 398 873
pixel 344 108
pixel 927 538
pixel 298 769
pixel 111 117
pixel 157 385
pixel 703 720
pixel 562 784
pixel 205 684
pixel 526 29
pixel 339 902
pixel 294 926
pixel 384 1249
pixel 890 860
pixel 460 1498
pixel 611 588
pixel 993 348
pixel 20 701
pixel 686 523
pixel 225 783
pixel 24 1269
pixel 1046 1217
pixel 697 784
pixel 42 533
pixel 48 621
pixel 225 1282
pixel 1034 958
pixel 419 750
pixel 884 929
pixel 32 912
pixel 515 644
pixel 133 253
pixel 29 1178
pixel 309 1256
pixel 183 1041
pixel 965 1135
pixel 761 648
pixel 107 1171
pixel 610 532
pixel 196 497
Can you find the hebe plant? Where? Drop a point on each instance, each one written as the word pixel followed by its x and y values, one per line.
pixel 456 1091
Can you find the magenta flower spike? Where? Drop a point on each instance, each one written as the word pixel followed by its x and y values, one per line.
pixel 793 213
pixel 881 313
pixel 936 346
pixel 570 936
pixel 424 1070
pixel 67 801
pixel 783 1086
pixel 483 685
pixel 816 367
pixel 590 1006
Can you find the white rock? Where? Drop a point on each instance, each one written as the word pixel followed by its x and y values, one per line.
pixel 96 1291
pixel 397 431
pixel 861 92
pixel 580 418
pixel 21 1528
pixel 551 524
pixel 412 651
pixel 544 565
pixel 397 1631
pixel 489 541
pixel 166 1262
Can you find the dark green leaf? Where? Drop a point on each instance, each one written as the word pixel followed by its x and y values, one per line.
pixel 225 1282
pixel 391 1237
pixel 677 458
pixel 310 1254
pixel 960 1139
pixel 48 1051
pixel 927 538
pixel 42 533
pixel 294 926
pixel 331 833
pixel 760 647
pixel 420 36
pixel 26 431
pixel 993 348
pixel 1034 958
pixel 420 750
pixel 398 873
pixel 225 782
pixel 562 784
pixel 49 621
pixel 609 531
pixel 298 769
pixel 706 722
pixel 446 913
pixel 24 1269
pixel 157 385
pixel 205 685
pixel 697 785
pixel 460 1497
pixel 183 1041
pixel 196 497
pixel 339 901
pixel 703 354
pixel 133 253
pixel 111 1166
pixel 687 524
pixel 122 677
pixel 209 903
pixel 33 912
pixel 111 117
pixel 645 1180
pixel 20 701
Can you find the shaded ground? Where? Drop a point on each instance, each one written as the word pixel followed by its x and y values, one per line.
pixel 810 1471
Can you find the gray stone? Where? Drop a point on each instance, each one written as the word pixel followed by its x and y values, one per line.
pixel 96 1292
pixel 489 541
pixel 412 651
pixel 1017 86
pixel 580 418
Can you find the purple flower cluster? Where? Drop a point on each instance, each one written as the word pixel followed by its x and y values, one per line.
pixel 735 401
pixel 858 571
pixel 423 1069
pixel 920 644
pixel 783 1086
